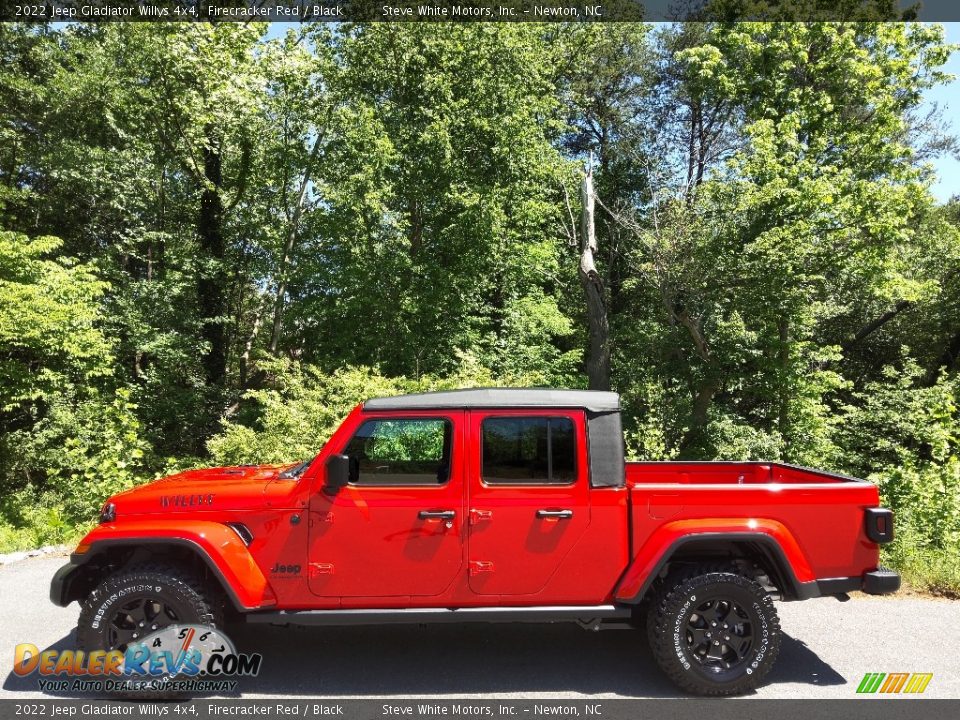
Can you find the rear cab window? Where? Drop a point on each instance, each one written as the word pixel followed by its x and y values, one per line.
pixel 528 450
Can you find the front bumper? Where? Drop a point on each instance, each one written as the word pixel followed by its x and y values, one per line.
pixel 61 587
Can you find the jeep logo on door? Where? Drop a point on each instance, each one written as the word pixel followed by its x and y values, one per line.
pixel 184 501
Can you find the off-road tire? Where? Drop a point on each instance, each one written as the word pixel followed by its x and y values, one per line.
pixel 674 578
pixel 191 601
pixel 671 617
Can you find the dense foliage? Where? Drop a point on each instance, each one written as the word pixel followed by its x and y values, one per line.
pixel 214 241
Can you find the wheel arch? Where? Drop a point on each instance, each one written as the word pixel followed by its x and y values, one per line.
pixel 226 563
pixel 757 548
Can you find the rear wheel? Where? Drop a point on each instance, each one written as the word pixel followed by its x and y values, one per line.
pixel 714 633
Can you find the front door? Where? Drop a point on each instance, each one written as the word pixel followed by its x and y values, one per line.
pixel 528 497
pixel 397 528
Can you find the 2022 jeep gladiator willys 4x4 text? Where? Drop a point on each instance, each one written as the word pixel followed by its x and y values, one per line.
pixel 487 505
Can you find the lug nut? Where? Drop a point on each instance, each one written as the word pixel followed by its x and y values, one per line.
pixel 135 635
pixel 726 637
pixel 716 642
pixel 153 627
pixel 142 624
pixel 713 624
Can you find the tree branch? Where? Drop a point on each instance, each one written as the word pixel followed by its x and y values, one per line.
pixel 875 324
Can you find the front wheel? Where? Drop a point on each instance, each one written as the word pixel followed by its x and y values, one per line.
pixel 139 601
pixel 134 602
pixel 715 633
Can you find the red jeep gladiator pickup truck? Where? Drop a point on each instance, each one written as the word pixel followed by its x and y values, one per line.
pixel 490 505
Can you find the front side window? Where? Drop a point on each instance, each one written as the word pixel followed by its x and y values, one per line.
pixel 529 450
pixel 401 451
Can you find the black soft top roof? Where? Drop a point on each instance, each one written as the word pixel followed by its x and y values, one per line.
pixel 591 400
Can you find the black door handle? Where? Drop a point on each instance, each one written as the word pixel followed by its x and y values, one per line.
pixel 437 514
pixel 559 514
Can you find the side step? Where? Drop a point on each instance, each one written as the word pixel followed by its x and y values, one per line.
pixel 584 614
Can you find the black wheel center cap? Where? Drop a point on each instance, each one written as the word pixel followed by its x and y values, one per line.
pixel 136 619
pixel 719 634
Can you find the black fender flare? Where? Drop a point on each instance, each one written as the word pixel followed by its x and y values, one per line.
pixel 790 586
pixel 75 579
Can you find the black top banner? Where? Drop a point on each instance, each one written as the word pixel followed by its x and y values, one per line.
pixel 496 11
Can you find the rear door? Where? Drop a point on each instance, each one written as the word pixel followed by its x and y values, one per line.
pixel 397 528
pixel 528 497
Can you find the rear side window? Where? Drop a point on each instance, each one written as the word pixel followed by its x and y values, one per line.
pixel 412 451
pixel 529 451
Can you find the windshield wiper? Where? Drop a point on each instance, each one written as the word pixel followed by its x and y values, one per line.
pixel 297 470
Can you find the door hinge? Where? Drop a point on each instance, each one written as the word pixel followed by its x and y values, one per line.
pixel 480 566
pixel 477 516
pixel 321 569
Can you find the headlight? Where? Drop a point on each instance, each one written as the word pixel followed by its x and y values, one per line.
pixel 108 513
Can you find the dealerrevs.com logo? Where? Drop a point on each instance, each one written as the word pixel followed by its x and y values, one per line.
pixel 887 683
pixel 177 658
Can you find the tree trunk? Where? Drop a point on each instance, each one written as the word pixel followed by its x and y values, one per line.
pixel 947 361
pixel 703 393
pixel 783 421
pixel 293 232
pixel 701 405
pixel 210 290
pixel 248 346
pixel 699 415
pixel 415 213
pixel 279 298
pixel 598 355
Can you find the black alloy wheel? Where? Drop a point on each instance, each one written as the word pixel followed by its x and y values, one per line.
pixel 719 635
pixel 138 618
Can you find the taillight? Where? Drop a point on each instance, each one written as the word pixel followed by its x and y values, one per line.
pixel 879 525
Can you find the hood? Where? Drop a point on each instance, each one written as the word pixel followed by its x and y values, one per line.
pixel 224 488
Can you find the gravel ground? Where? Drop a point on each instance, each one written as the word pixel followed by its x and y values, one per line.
pixel 827 648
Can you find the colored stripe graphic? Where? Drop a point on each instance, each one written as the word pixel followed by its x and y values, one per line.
pixel 894 683
pixel 913 683
pixel 870 682
pixel 918 683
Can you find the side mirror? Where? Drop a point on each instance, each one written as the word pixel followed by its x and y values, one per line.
pixel 338 474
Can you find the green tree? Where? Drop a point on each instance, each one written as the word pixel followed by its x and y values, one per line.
pixel 49 339
pixel 755 263
pixel 443 206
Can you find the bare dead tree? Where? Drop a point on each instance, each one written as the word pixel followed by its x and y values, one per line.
pixel 598 324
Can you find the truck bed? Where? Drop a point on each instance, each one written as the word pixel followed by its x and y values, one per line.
pixel 821 514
